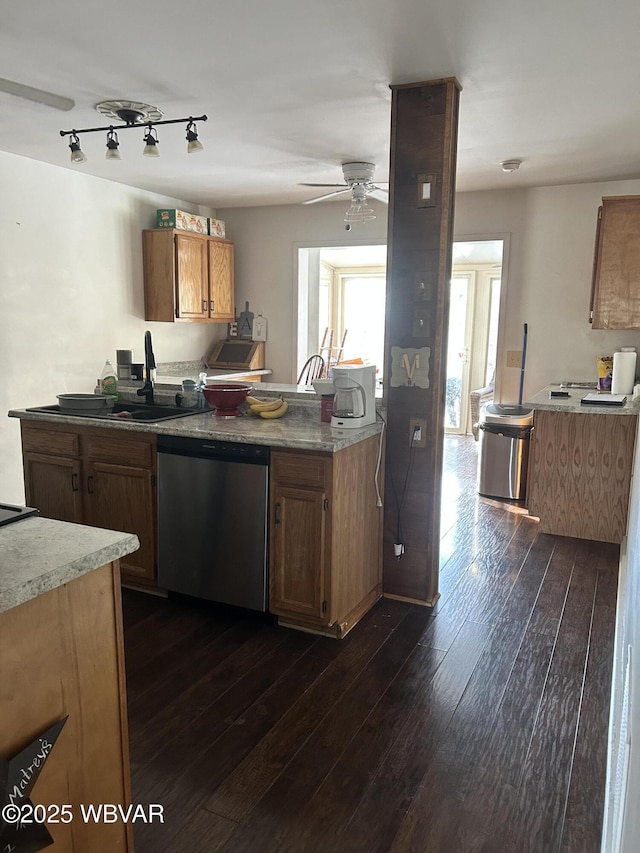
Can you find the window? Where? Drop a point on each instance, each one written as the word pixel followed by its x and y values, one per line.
pixel 352 303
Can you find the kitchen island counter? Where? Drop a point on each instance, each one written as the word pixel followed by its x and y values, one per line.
pixel 580 464
pixel 63 678
pixel 300 429
pixel 41 554
pixel 543 402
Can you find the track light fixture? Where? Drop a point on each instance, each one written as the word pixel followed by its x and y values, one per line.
pixel 151 143
pixel 77 154
pixel 112 146
pixel 193 143
pixel 133 114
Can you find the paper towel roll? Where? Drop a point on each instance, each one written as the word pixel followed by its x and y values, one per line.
pixel 624 372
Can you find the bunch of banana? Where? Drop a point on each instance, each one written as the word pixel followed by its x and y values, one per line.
pixel 275 408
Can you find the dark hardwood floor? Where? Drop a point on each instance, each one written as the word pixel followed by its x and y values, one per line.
pixel 480 725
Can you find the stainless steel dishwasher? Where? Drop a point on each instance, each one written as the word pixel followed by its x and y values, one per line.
pixel 212 520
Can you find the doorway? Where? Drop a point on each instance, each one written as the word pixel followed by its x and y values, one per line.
pixel 342 294
pixel 474 315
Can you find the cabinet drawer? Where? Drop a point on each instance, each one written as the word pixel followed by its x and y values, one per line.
pixel 301 469
pixel 121 450
pixel 49 440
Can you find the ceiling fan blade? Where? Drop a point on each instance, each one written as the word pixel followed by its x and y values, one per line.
pixel 380 194
pixel 346 186
pixel 327 195
pixel 29 93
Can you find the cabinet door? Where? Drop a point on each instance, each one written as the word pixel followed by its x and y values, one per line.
pixel 299 552
pixel 221 294
pixel 616 299
pixel 53 485
pixel 121 497
pixel 192 287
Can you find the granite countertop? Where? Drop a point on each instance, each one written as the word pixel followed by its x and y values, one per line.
pixel 542 401
pixel 40 554
pixel 301 428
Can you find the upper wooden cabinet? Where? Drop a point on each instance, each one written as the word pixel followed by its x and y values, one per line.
pixel 187 277
pixel 615 293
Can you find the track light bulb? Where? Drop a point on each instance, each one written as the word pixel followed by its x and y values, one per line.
pixel 77 154
pixel 112 146
pixel 193 143
pixel 151 143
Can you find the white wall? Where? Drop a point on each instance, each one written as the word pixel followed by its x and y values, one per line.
pixel 552 235
pixel 617 805
pixel 71 291
pixel 549 277
pixel 266 245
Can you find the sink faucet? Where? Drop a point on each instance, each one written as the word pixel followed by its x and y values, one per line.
pixel 150 371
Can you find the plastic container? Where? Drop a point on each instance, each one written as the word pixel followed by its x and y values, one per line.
pixel 202 381
pixel 189 394
pixel 109 380
pixel 326 408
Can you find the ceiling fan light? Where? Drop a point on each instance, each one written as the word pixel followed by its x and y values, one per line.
pixel 113 152
pixel 359 212
pixel 77 154
pixel 151 144
pixel 193 143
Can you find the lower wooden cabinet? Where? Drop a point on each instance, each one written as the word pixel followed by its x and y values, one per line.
pixel 326 537
pixel 579 475
pixel 300 536
pixel 325 561
pixel 97 477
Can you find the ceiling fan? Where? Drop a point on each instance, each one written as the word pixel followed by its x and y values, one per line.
pixel 358 181
pixel 38 96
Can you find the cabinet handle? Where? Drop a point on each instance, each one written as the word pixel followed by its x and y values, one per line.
pixel 204 305
pixel 90 485
pixel 276 520
pixel 74 483
pixel 211 305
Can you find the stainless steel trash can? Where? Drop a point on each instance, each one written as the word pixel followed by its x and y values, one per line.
pixel 504 433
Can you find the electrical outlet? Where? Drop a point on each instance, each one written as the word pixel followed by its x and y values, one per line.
pixel 417 432
pixel 514 358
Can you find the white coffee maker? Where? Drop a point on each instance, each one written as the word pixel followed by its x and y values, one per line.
pixel 354 404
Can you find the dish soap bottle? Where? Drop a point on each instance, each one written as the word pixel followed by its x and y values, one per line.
pixel 109 381
pixel 202 381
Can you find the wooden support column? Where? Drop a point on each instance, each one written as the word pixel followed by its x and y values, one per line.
pixel 424 123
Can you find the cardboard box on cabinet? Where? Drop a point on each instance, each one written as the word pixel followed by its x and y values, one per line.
pixel 216 227
pixel 182 220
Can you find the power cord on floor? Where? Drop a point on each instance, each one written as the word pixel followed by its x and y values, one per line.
pixel 398 547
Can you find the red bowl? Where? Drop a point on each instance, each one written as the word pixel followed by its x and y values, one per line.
pixel 226 397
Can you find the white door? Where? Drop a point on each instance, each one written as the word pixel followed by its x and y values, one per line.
pixel 458 352
pixel 473 334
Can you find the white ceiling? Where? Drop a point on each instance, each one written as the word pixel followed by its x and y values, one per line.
pixel 293 88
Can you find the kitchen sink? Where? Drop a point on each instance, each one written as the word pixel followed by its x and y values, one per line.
pixel 126 411
pixel 155 412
